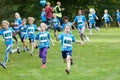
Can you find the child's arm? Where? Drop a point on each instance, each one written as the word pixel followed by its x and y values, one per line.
pixel 111 18
pixel 86 24
pixel 78 42
pixel 52 42
pixel 102 17
pixel 74 26
pixel 36 44
pixel 96 17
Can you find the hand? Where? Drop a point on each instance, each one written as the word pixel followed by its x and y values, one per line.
pixel 63 9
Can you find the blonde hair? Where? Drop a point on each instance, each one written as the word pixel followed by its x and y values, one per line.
pixel 91 10
pixel 48 3
pixel 43 24
pixel 105 10
pixel 17 14
pixel 6 22
pixel 31 18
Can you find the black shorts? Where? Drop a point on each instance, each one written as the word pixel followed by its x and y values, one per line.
pixel 57 29
pixel 31 40
pixel 65 53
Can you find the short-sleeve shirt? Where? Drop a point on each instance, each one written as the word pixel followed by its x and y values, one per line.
pixel 44 39
pixel 92 18
pixel 106 17
pixel 66 41
pixel 31 31
pixel 7 35
pixel 56 23
pixel 18 23
pixel 49 12
pixel 80 20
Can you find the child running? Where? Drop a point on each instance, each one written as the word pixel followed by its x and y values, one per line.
pixel 92 16
pixel 23 33
pixel 31 33
pixel 17 23
pixel 66 22
pixel 107 18
pixel 118 17
pixel 56 25
pixel 6 32
pixel 44 43
pixel 66 46
pixel 81 23
pixel 43 16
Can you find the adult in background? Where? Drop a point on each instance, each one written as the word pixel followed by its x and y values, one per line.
pixel 58 10
pixel 49 14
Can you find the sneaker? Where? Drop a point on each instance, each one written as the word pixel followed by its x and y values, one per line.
pixel 71 61
pixel 18 50
pixel 37 46
pixel 10 52
pixel 24 49
pixel 82 43
pixel 87 39
pixel 43 66
pixel 90 33
pixel 27 49
pixel 3 65
pixel 31 53
pixel 67 71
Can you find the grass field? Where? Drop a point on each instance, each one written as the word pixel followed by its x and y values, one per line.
pixel 98 59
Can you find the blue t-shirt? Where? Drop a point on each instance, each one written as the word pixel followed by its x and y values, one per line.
pixel 80 20
pixel 64 24
pixel 23 31
pixel 31 31
pixel 92 18
pixel 56 23
pixel 106 17
pixel 7 35
pixel 44 39
pixel 66 41
pixel 118 16
pixel 43 16
pixel 18 23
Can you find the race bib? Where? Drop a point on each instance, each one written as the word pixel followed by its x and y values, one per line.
pixel 67 42
pixel 8 34
pixel 80 22
pixel 30 30
pixel 43 38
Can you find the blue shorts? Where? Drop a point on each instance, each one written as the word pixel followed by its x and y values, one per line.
pixel 107 22
pixel 118 20
pixel 65 53
pixel 31 40
pixel 92 25
pixel 23 38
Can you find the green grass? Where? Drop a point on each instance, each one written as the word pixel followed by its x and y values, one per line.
pixel 98 59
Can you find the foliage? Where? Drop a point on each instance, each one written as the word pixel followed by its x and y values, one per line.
pixel 33 8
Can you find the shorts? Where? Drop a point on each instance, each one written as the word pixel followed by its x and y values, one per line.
pixel 57 29
pixel 23 38
pixel 92 25
pixel 65 53
pixel 81 30
pixel 118 20
pixel 31 40
pixel 107 22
